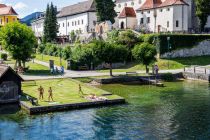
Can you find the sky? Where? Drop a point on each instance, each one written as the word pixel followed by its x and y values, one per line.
pixel 26 7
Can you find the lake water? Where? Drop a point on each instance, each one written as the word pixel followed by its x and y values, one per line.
pixel 181 110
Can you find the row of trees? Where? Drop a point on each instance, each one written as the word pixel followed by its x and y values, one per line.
pixel 202 12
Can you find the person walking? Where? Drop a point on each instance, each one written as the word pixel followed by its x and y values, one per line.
pixel 50 94
pixel 41 92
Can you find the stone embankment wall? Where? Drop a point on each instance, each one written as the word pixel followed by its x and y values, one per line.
pixel 203 48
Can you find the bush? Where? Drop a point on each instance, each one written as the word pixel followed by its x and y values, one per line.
pixel 177 41
pixel 41 48
pixel 4 56
pixel 66 53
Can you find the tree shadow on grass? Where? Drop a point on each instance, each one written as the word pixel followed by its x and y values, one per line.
pixel 40 73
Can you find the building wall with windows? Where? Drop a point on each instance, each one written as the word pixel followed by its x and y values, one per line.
pixel 7 15
pixel 80 23
pixel 38 27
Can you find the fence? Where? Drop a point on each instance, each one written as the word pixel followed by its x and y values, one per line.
pixel 197 70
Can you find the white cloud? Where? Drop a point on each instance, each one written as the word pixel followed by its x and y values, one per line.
pixel 20 6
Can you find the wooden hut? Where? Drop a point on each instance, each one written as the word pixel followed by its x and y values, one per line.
pixel 10 85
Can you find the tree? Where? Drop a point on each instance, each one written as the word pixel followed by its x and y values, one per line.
pixel 19 40
pixel 50 24
pixel 128 39
pixel 66 53
pixel 73 36
pixel 109 53
pixel 105 10
pixel 202 11
pixel 145 54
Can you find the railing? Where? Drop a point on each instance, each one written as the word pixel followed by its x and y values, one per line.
pixel 197 69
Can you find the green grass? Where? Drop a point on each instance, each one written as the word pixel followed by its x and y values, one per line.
pixel 64 91
pixel 46 58
pixel 177 63
pixel 37 69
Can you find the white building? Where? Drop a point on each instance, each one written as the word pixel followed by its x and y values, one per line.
pixel 80 18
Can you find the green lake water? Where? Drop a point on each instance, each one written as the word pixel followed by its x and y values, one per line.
pixel 180 110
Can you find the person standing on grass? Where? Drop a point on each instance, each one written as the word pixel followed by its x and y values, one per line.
pixel 80 90
pixel 156 69
pixel 41 92
pixel 50 94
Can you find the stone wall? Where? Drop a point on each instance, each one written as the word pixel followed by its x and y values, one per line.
pixel 203 48
pixel 196 76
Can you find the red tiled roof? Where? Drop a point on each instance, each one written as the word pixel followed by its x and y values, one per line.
pixel 127 12
pixel 2 5
pixel 8 10
pixel 173 2
pixel 150 4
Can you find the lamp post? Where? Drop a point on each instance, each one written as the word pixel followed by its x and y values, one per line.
pixel 169 49
pixel 60 50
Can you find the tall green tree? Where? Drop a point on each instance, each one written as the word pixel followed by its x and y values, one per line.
pixel 145 54
pixel 105 10
pixel 50 24
pixel 202 11
pixel 19 40
pixel 109 53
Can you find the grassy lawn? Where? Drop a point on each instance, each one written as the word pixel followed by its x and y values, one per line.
pixel 46 58
pixel 64 91
pixel 177 63
pixel 37 69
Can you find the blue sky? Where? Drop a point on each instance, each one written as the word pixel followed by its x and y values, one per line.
pixel 26 7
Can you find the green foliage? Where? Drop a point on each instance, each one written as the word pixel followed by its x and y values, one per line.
pixel 4 56
pixel 112 36
pixel 50 24
pixel 19 41
pixel 73 36
pixel 144 53
pixel 41 48
pixel 105 10
pixel 202 12
pixel 66 53
pixel 128 39
pixel 109 53
pixel 177 41
pixel 83 55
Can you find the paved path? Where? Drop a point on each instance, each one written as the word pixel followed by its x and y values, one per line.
pixel 74 74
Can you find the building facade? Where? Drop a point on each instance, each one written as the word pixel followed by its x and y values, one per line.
pixel 7 15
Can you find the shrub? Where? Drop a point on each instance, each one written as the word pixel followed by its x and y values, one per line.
pixel 145 54
pixel 177 41
pixel 4 56
pixel 66 53
pixel 41 48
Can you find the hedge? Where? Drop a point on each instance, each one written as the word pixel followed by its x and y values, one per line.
pixel 177 41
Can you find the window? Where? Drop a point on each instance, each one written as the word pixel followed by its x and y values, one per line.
pixel 148 12
pixel 167 24
pixel 168 9
pixel 148 19
pixel 132 3
pixel 161 10
pixel 7 20
pixel 142 21
pixel 78 22
pixel 63 24
pixel 13 19
pixel 142 12
pixel 177 23
pixel 72 23
pixel 75 23
pixel 1 21
pixel 68 24
pixel 82 21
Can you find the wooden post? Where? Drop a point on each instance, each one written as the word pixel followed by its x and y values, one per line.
pixel 194 70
